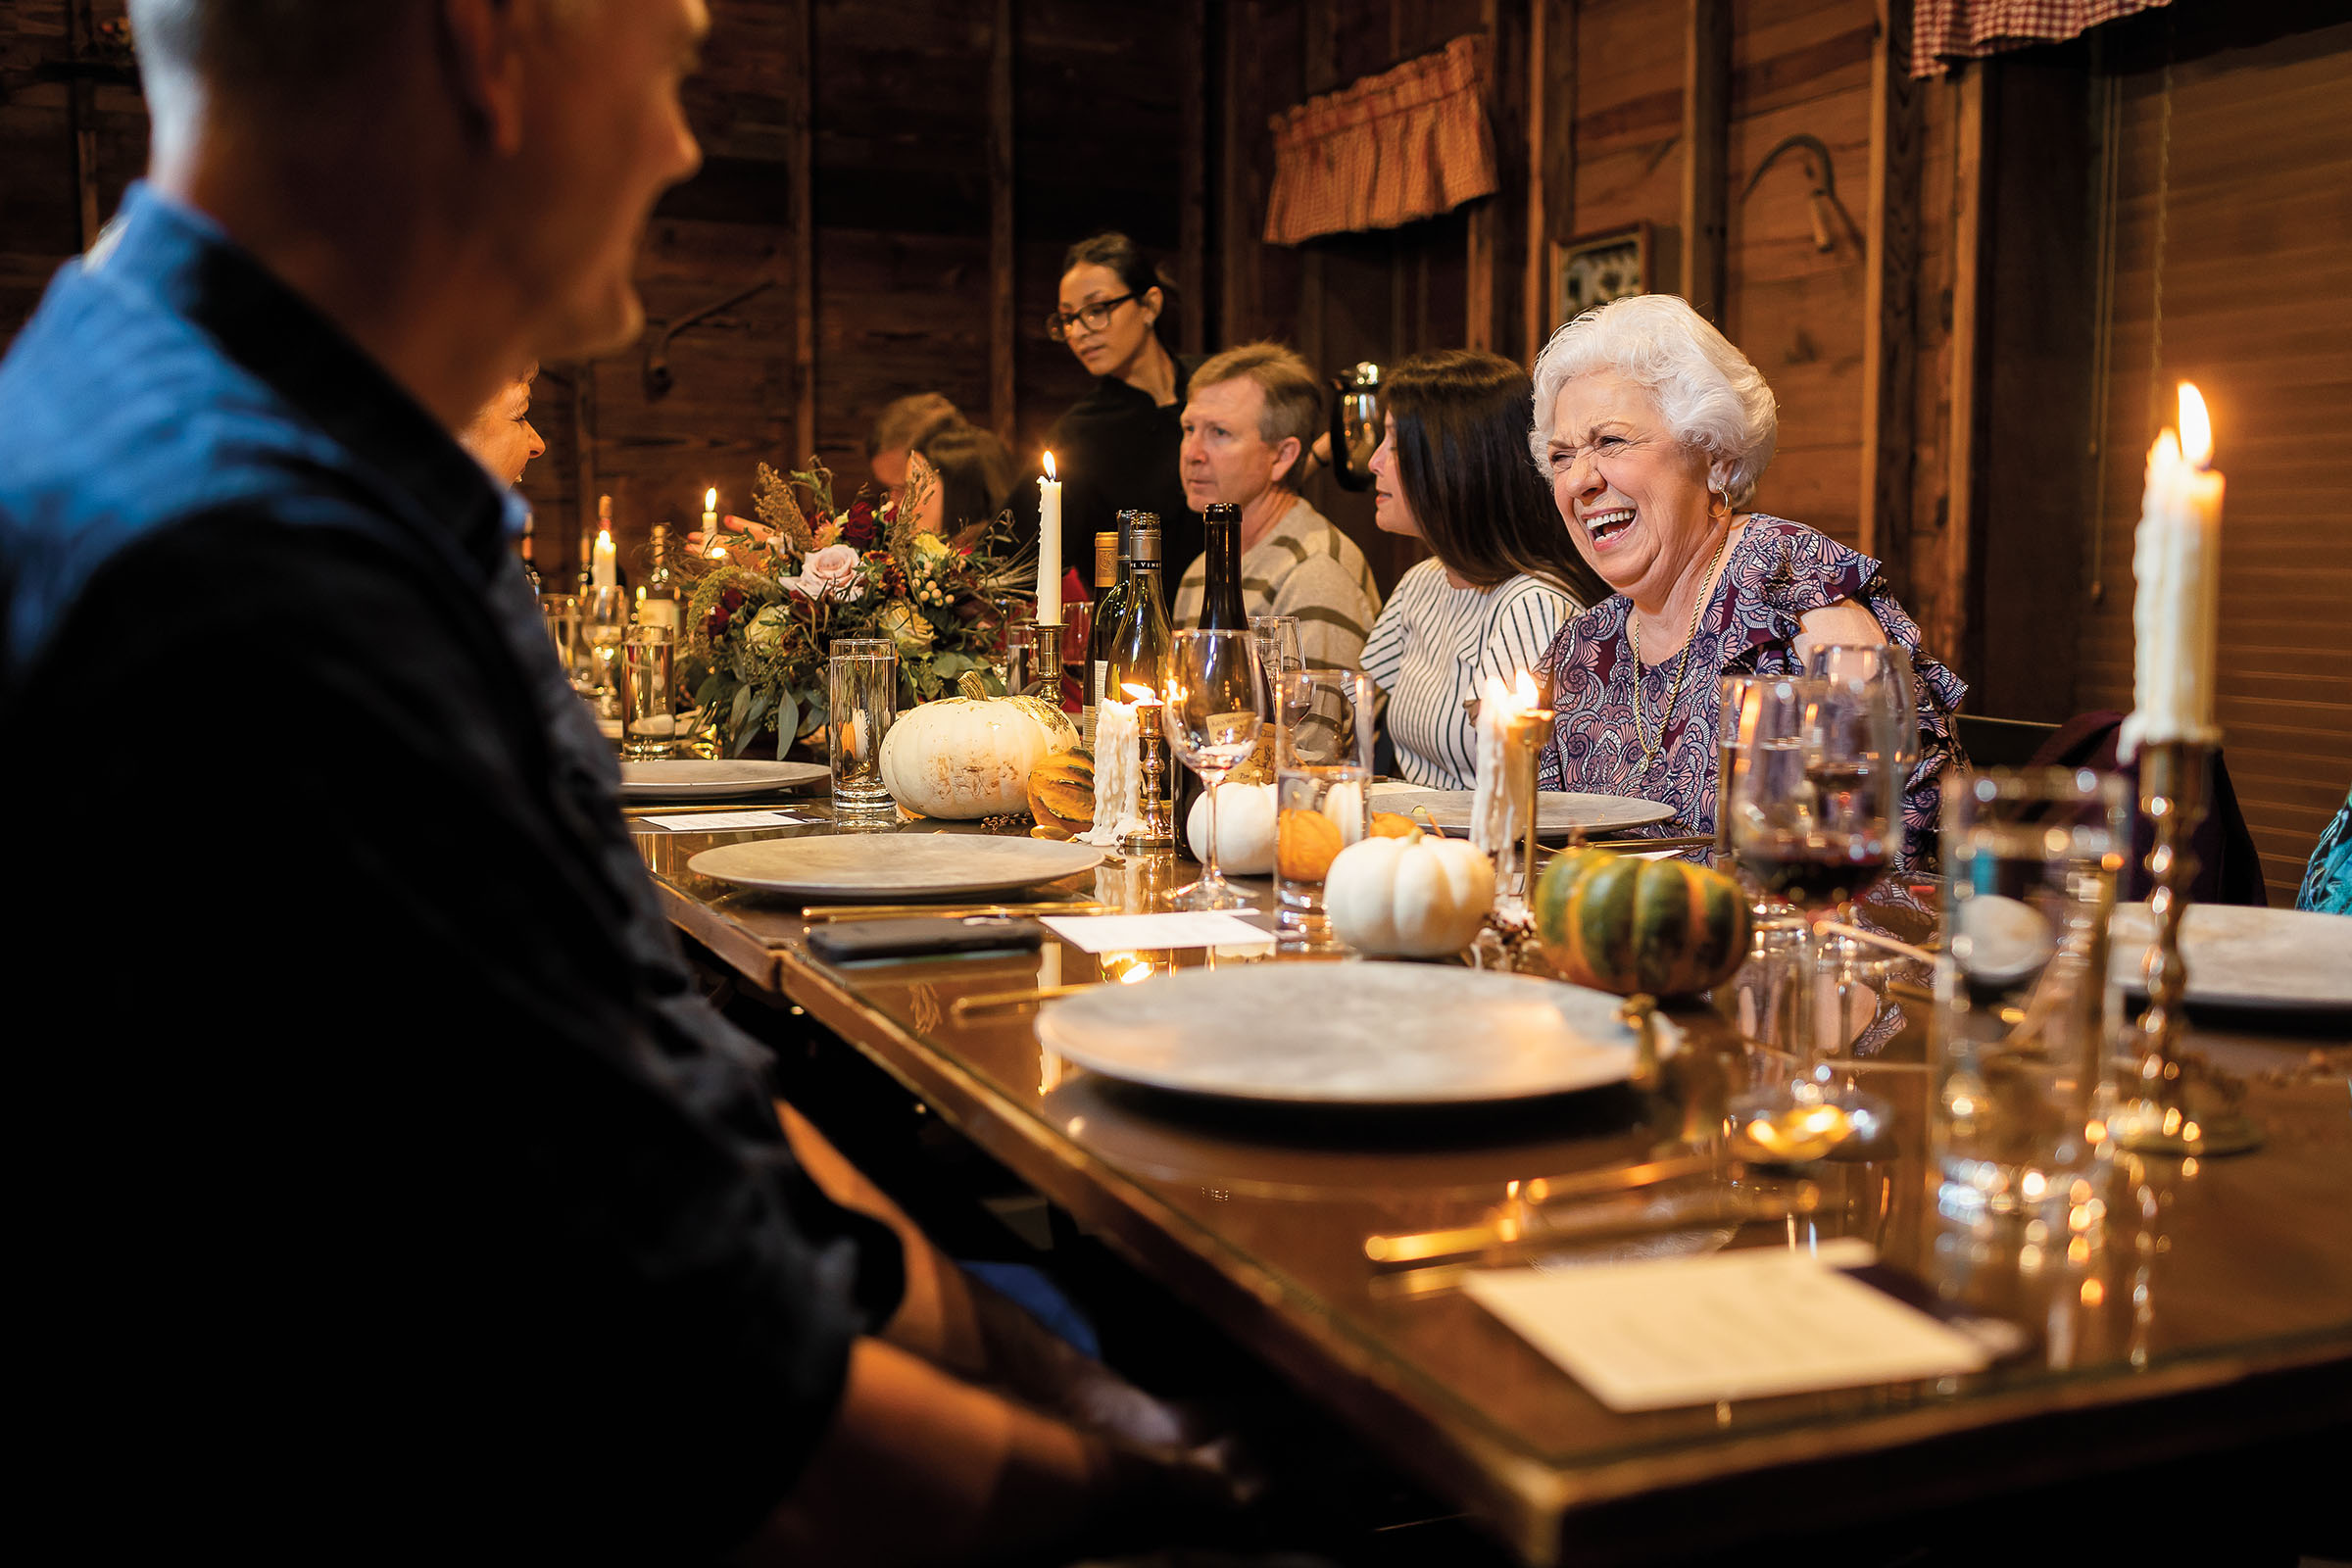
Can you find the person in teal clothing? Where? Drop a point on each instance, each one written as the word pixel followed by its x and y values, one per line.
pixel 2328 882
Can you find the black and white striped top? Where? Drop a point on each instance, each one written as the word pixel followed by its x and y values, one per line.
pixel 1435 645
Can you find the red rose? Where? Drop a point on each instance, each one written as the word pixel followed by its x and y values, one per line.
pixel 859 524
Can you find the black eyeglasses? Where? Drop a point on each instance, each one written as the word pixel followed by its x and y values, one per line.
pixel 1096 315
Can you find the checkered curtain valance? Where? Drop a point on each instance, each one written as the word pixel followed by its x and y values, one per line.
pixel 1412 142
pixel 1946 30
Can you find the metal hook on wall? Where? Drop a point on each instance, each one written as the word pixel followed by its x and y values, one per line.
pixel 1823 200
pixel 658 377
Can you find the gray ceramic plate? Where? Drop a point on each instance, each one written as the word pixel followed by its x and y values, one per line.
pixel 1556 811
pixel 691 779
pixel 2287 961
pixel 1346 1034
pixel 851 866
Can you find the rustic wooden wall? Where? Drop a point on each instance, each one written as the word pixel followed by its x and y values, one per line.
pixel 73 135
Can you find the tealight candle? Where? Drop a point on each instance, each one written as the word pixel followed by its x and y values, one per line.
pixel 605 564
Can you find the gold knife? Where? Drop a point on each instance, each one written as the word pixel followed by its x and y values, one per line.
pixel 818 913
pixel 1553 1227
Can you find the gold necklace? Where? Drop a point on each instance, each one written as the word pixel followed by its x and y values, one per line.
pixel 1682 668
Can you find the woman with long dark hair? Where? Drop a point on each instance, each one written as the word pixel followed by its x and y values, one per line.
pixel 1503 576
pixel 1116 447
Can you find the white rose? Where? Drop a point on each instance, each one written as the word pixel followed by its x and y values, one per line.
pixel 833 573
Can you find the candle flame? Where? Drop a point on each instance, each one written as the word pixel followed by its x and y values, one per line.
pixel 1523 691
pixel 604 538
pixel 1140 692
pixel 1049 474
pixel 2196 427
pixel 711 500
pixel 718 552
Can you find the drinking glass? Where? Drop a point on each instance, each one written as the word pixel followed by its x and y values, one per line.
pixel 1320 800
pixel 862 698
pixel 1887 668
pixel 2023 995
pixel 561 612
pixel 1812 804
pixel 1740 708
pixel 1213 707
pixel 649 724
pixel 605 612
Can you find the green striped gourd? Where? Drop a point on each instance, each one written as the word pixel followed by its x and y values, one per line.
pixel 1627 925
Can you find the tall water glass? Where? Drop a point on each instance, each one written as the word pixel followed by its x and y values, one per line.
pixel 2023 994
pixel 604 615
pixel 862 698
pixel 1320 799
pixel 649 724
pixel 561 612
pixel 1213 705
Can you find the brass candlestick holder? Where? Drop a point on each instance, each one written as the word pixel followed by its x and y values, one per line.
pixel 2158 1110
pixel 1042 662
pixel 1156 807
pixel 1506 828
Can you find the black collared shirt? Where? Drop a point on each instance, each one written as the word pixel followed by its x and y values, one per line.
pixel 393 1193
pixel 1118 451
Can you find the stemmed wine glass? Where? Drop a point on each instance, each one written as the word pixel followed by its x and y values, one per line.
pixel 1813 801
pixel 1213 708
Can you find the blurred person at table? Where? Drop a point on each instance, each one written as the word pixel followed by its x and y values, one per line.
pixel 1502 578
pixel 898 430
pixel 1247 418
pixel 501 435
pixel 1653 432
pixel 1115 449
pixel 413 1196
pixel 968 476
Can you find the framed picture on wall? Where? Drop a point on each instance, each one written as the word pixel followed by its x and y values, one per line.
pixel 1595 269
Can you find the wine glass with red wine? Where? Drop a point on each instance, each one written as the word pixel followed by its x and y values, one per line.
pixel 1813 804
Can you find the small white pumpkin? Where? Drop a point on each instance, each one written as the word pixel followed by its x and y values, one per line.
pixel 1414 896
pixel 964 757
pixel 1245 829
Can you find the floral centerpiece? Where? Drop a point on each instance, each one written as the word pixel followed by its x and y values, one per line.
pixel 770 598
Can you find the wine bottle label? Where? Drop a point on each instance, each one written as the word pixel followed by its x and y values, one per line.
pixel 1102 676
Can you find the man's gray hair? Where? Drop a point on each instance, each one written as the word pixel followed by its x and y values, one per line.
pixel 1707 390
pixel 1293 397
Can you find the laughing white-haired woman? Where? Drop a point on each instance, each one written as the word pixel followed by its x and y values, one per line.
pixel 1653 430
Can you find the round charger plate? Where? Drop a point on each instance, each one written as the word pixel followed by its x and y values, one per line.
pixel 1557 811
pixel 1347 1034
pixel 690 777
pixel 2271 960
pixel 852 866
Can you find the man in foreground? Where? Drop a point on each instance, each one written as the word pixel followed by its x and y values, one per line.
pixel 391 1195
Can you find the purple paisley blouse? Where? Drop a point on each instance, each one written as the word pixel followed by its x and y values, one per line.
pixel 1777 571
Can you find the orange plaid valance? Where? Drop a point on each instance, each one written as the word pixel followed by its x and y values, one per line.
pixel 1412 142
pixel 1946 30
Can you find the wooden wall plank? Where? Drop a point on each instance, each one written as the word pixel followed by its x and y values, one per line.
pixel 800 175
pixel 1961 452
pixel 1706 119
pixel 1003 255
pixel 1883 526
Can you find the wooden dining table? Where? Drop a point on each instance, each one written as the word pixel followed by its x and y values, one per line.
pixel 2203 1307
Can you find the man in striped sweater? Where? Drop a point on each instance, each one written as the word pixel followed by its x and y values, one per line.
pixel 1249 417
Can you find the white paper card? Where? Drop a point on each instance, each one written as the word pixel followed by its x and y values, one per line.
pixel 1192 928
pixel 726 821
pixel 1735 1325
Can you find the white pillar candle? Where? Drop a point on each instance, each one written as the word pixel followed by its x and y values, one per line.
pixel 2177 602
pixel 1048 547
pixel 1118 775
pixel 1494 824
pixel 604 565
pixel 709 514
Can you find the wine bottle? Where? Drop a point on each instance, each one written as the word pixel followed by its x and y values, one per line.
pixel 660 602
pixel 1221 607
pixel 1139 639
pixel 1110 571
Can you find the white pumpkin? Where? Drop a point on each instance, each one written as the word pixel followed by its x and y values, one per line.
pixel 1245 829
pixel 1414 898
pixel 964 757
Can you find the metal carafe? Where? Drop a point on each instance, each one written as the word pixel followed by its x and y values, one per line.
pixel 1355 429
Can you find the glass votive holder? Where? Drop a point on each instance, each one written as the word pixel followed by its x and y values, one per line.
pixel 1322 801
pixel 863 699
pixel 2023 995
